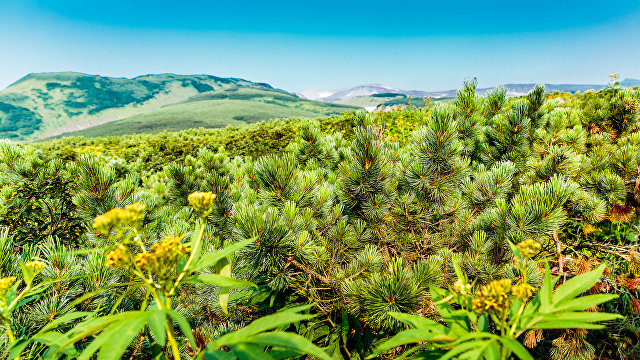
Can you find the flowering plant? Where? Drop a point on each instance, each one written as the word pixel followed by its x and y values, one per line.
pixel 486 324
pixel 160 269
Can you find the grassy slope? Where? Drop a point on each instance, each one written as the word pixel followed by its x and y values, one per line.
pixel 214 110
pixel 47 105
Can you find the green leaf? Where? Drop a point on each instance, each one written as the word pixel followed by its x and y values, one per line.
pixel 289 341
pixel 517 348
pixel 63 319
pixel 217 355
pixel 264 323
pixel 56 343
pixel 119 336
pixel 546 292
pixel 183 324
pixel 16 347
pixel 457 320
pixel 417 321
pixel 584 302
pixel 157 326
pixel 566 325
pixel 403 338
pixel 219 280
pixel 577 285
pixel 212 258
pixel 249 352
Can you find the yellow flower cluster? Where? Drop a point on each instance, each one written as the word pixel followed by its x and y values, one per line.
pixel 35 266
pixel 497 296
pixel 120 257
pixel 161 261
pixel 528 248
pixel 5 283
pixel 130 216
pixel 522 291
pixel 202 202
pixel 493 297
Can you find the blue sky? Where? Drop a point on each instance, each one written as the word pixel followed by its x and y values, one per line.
pixel 297 45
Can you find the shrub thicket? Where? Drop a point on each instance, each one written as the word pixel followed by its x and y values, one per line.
pixel 370 217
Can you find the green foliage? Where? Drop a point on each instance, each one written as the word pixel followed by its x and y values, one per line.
pixel 364 215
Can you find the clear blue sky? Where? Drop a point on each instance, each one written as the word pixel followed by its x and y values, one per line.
pixel 297 45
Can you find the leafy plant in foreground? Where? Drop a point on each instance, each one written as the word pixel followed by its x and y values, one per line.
pixel 160 270
pixel 486 324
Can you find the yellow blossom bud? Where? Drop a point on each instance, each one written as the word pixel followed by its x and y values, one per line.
pixel 461 288
pixel 528 248
pixel 202 202
pixel 35 266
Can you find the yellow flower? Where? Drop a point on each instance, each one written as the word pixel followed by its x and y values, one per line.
pixel 522 291
pixel 202 202
pixel 528 248
pixel 35 266
pixel 120 257
pixel 131 216
pixel 5 283
pixel 493 297
pixel 163 258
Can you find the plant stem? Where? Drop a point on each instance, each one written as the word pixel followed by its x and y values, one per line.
pixel 172 340
pixel 12 338
pixel 184 271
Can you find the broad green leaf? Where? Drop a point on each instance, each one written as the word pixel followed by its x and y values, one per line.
pixel 417 321
pixel 551 324
pixel 121 334
pixel 577 285
pixel 517 348
pixel 223 292
pixel 212 258
pixel 219 280
pixel 183 324
pixel 584 316
pixel 264 323
pixel 16 348
pixel 92 326
pixel 546 292
pixel 249 352
pixel 63 319
pixel 584 302
pixel 289 341
pixel 403 338
pixel 457 320
pixel 217 355
pixel 56 343
pixel 461 348
pixel 157 326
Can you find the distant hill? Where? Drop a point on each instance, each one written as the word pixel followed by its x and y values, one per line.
pixel 51 104
pixel 344 96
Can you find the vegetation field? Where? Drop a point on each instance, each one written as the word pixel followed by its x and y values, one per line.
pixel 481 228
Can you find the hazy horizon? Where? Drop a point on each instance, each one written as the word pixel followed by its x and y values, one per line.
pixel 301 46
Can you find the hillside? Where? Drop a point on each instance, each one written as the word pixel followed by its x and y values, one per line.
pixel 46 105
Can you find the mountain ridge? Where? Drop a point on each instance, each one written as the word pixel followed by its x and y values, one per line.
pixel 43 105
pixel 513 89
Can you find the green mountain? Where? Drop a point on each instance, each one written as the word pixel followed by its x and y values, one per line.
pixel 47 105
